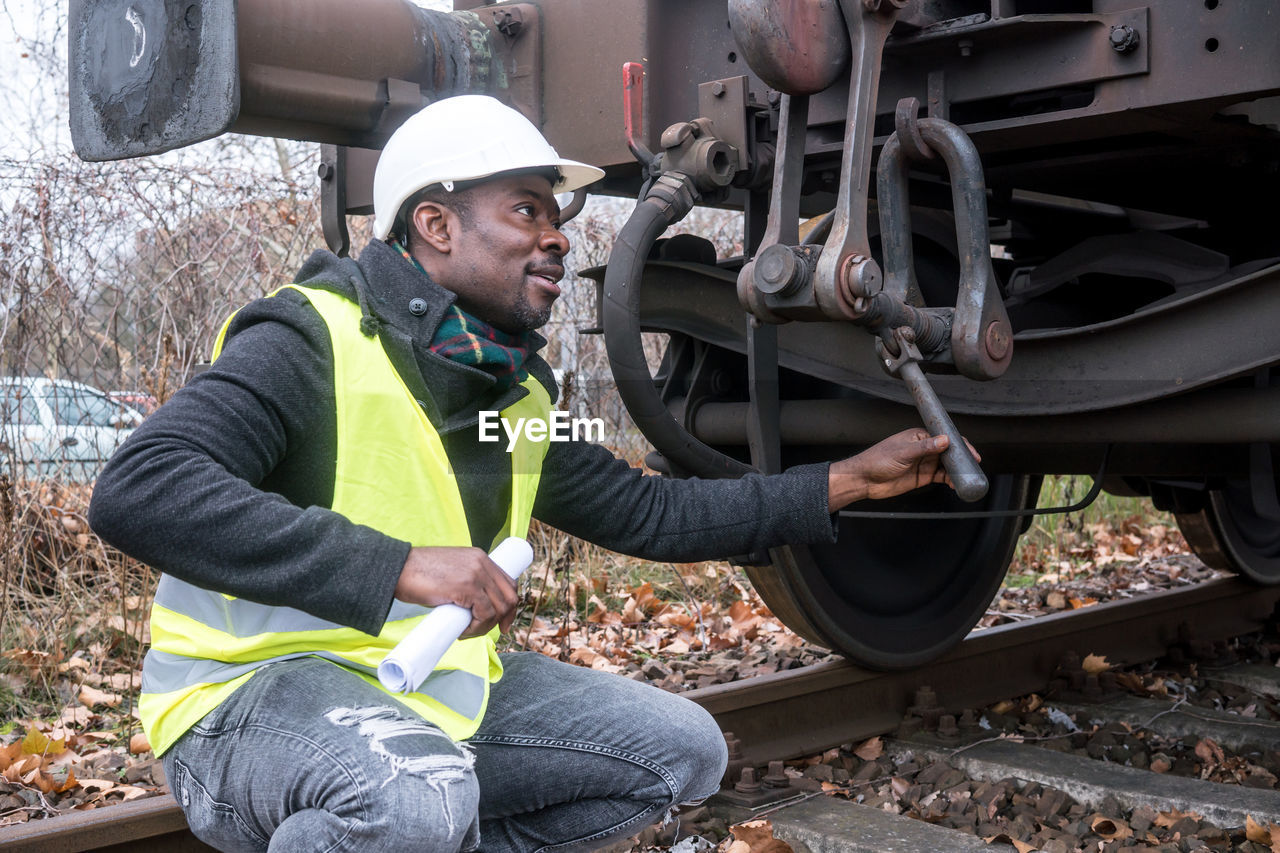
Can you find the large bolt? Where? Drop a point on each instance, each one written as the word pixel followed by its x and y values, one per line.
pixel 736 761
pixel 858 277
pixel 1124 38
pixel 997 340
pixel 509 23
pixel 747 783
pixel 717 89
pixel 779 271
pixel 777 777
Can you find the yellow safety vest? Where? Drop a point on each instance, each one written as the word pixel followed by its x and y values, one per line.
pixel 392 474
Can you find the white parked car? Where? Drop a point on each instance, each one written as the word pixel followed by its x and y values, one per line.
pixel 55 427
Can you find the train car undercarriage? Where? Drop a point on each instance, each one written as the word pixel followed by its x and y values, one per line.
pixel 1036 220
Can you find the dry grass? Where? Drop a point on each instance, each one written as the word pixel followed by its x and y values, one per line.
pixel 66 595
pixel 1071 543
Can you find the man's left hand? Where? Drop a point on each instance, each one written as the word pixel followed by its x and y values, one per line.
pixel 902 462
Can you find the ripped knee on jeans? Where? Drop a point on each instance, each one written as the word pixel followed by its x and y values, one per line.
pixel 440 763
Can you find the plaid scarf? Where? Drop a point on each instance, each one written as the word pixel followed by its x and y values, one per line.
pixel 469 340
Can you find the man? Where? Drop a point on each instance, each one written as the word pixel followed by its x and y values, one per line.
pixel 322 485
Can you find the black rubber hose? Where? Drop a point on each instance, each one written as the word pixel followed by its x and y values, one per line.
pixel 621 320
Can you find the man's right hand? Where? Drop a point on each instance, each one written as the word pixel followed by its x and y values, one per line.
pixel 462 576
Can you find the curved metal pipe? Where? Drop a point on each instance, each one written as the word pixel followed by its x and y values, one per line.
pixel 621 320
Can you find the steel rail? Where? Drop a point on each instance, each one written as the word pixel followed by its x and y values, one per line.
pixel 155 825
pixel 814 708
pixel 781 715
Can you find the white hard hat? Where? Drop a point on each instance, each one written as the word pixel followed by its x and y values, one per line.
pixel 462 139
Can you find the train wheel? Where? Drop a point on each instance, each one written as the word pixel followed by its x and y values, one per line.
pixel 892 594
pixel 1231 534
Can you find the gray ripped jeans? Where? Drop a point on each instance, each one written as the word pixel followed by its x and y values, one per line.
pixel 308 757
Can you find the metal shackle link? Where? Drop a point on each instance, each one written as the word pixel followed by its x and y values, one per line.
pixel 781 227
pixel 981 337
pixel 868 24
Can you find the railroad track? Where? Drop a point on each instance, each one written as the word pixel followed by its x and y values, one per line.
pixel 808 710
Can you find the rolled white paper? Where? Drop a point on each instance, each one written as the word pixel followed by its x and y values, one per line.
pixel 414 657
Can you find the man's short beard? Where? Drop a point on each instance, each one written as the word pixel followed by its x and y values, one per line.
pixel 526 318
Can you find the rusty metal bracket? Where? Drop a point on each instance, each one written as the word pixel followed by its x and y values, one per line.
pixel 759 293
pixel 846 264
pixel 633 112
pixel 346 188
pixel 724 102
pixel 333 198
pixel 981 337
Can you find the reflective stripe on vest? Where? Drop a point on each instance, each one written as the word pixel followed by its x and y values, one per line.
pixel 391 474
pixel 241 618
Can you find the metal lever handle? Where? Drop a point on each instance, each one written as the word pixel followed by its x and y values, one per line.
pixel 967 478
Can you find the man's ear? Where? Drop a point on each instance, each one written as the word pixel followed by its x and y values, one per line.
pixel 433 223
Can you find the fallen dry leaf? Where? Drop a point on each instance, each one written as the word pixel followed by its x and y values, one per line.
pixel 97 786
pixel 1095 664
pixel 1209 752
pixel 30 658
pixel 76 715
pixel 50 778
pixel 74 663
pixel 1169 818
pixel 1131 680
pixel 758 836
pixel 1005 838
pixel 870 750
pixel 20 768
pixel 37 743
pixel 1108 829
pixel 91 696
pixel 676 647
pixel 139 744
pixel 1255 831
